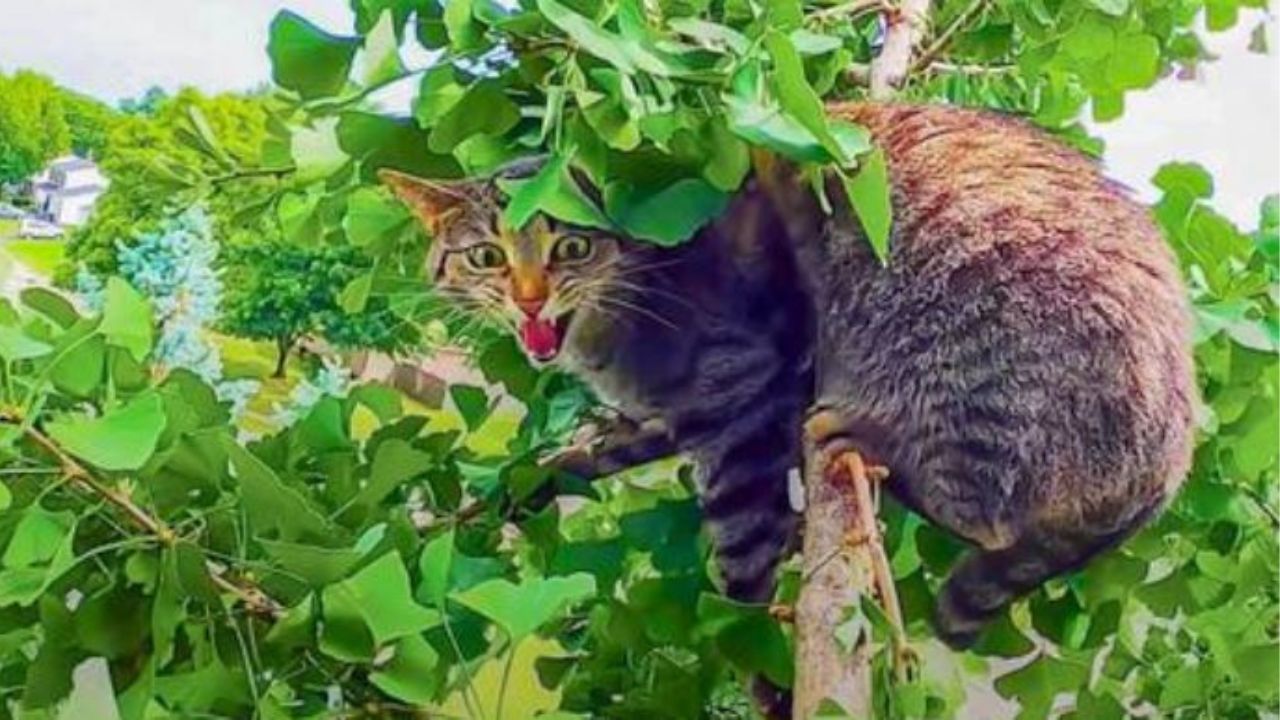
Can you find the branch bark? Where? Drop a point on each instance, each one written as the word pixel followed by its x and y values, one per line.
pixel 906 27
pixel 253 597
pixel 836 575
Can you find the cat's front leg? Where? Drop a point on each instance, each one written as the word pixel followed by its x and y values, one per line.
pixel 614 445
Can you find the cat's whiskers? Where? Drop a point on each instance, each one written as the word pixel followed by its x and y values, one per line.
pixel 605 297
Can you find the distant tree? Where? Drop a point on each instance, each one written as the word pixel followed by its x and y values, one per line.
pixel 89 121
pixel 147 103
pixel 33 124
pixel 152 164
pixel 281 292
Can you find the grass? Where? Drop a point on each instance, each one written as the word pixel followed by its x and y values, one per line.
pixel 8 228
pixel 42 256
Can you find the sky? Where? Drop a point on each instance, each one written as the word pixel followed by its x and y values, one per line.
pixel 1228 119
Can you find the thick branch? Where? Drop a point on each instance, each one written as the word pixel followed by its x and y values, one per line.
pixel 836 575
pixel 906 26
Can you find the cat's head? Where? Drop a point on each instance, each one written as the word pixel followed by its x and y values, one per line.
pixel 535 281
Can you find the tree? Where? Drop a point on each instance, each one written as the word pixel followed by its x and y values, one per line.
pixel 89 121
pixel 281 292
pixel 33 125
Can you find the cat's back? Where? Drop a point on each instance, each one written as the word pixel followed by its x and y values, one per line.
pixel 1028 302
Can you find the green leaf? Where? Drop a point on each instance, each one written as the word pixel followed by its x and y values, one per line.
pixel 355 296
pixel 796 95
pixel 126 319
pixel 50 304
pixel 551 191
pixel 381 597
pixel 379 142
pixel 526 198
pixel 437 94
pixel 315 150
pixel 460 23
pixel 124 438
pixel 472 404
pixel 747 636
pixel 588 35
pixel 769 128
pixel 381 59
pixel 1135 62
pixel 668 216
pixel 521 609
pixel 37 537
pixel 318 566
pixel 372 216
pixel 868 192
pixel 485 109
pixel 272 505
pixel 408 675
pixel 1187 177
pixel 308 60
pixel 435 564
pixel 15 345
pixel 395 462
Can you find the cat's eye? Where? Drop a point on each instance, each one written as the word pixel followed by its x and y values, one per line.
pixel 486 256
pixel 571 248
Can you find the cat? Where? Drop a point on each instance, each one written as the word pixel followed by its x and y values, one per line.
pixel 1020 363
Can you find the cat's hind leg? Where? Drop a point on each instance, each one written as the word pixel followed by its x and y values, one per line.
pixel 985 582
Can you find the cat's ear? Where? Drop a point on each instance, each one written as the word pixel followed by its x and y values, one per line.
pixel 434 203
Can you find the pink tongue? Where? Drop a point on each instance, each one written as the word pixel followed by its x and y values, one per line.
pixel 540 338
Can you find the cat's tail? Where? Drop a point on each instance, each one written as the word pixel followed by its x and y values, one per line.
pixel 985 582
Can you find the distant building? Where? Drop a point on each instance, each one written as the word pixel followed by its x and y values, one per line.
pixel 67 190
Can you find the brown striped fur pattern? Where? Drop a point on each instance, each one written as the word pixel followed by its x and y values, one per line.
pixel 1021 363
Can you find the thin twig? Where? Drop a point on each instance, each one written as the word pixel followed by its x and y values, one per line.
pixel 250 173
pixel 77 473
pixel 940 43
pixel 850 9
pixel 969 68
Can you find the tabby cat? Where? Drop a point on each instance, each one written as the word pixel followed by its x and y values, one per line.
pixel 1021 363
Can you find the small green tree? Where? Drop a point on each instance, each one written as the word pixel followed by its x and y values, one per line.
pixel 281 292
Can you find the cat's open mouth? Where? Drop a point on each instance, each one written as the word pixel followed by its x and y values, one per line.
pixel 542 338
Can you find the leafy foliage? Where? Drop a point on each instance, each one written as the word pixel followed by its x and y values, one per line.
pixel 39 121
pixel 368 560
pixel 282 292
pixel 33 129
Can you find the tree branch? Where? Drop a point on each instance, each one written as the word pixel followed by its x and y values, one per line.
pixel 906 26
pixel 837 574
pixel 253 597
pixel 931 53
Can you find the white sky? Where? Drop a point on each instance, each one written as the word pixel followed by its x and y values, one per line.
pixel 1228 119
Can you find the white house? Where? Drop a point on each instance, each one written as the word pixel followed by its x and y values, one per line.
pixel 67 190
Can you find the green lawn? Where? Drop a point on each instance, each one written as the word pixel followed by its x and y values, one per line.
pixel 42 256
pixel 8 228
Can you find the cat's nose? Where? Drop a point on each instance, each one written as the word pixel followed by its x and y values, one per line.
pixel 531 306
